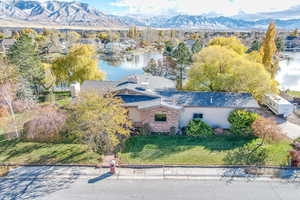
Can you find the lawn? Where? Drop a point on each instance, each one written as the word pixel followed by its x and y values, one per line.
pixel 18 152
pixel 192 151
pixel 294 93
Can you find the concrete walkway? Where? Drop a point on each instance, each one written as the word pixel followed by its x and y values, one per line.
pixel 150 173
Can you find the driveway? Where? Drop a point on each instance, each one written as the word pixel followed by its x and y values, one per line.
pixel 290 129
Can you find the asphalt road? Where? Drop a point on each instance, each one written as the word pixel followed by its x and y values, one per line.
pixel 108 189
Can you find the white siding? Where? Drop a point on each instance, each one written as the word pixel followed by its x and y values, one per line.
pixel 215 117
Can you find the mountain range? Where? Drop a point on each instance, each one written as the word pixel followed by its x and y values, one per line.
pixel 81 14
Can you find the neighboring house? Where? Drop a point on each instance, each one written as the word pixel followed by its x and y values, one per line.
pixel 118 47
pixel 154 100
pixel 5 45
pixel 292 43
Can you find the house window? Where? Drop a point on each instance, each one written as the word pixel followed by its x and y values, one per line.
pixel 160 117
pixel 198 116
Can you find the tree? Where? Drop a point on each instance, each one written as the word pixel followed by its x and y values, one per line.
pixel 98 120
pixel 72 37
pixel 268 50
pixel 182 56
pixel 229 43
pixel 241 121
pixel 295 33
pixel 161 35
pixel 268 130
pixel 78 65
pixel 103 36
pixel 155 68
pixel 196 47
pixel 198 128
pixel 133 33
pixel 220 69
pixel 24 55
pixel 172 34
pixel 255 46
pixel 8 89
pixel 279 44
pixel 46 126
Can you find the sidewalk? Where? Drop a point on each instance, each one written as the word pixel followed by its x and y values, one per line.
pixel 153 173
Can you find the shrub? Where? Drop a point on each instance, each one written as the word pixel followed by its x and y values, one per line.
pixel 46 126
pixel 268 130
pixel 4 111
pixel 249 154
pixel 145 130
pixel 198 128
pixel 173 130
pixel 241 122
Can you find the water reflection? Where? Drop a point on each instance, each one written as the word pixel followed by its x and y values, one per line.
pixel 117 69
pixel 289 74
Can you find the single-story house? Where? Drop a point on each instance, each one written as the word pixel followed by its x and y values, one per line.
pixel 154 101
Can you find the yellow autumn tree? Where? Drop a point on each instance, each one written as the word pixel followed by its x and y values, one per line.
pixel 268 50
pixel 230 43
pixel 221 69
pixel 98 120
pixel 78 65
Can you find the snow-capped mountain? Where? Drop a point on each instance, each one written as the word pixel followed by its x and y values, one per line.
pixel 54 12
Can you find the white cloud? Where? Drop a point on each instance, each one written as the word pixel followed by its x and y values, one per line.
pixel 224 7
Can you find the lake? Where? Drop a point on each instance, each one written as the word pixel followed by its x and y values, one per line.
pixel 118 70
pixel 288 76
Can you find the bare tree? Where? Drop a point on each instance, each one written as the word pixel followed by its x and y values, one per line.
pixel 7 96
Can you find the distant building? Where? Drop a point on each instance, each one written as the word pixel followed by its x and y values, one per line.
pixel 292 43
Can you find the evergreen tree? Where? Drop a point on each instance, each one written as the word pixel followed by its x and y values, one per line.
pixel 280 44
pixel 196 47
pixel 182 56
pixel 255 46
pixel 24 55
pixel 268 50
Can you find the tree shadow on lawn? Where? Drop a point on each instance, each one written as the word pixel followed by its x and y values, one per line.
pixel 29 183
pixel 153 147
pixel 43 153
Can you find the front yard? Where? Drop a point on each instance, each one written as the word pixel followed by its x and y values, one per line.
pixel 183 150
pixel 18 152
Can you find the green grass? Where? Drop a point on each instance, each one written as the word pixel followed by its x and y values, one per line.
pixel 192 151
pixel 19 152
pixel 294 93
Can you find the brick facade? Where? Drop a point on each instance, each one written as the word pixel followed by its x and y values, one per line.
pixel 148 115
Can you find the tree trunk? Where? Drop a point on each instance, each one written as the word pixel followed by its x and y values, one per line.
pixel 14 118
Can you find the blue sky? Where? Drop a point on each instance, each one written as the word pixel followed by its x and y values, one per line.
pixel 193 7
